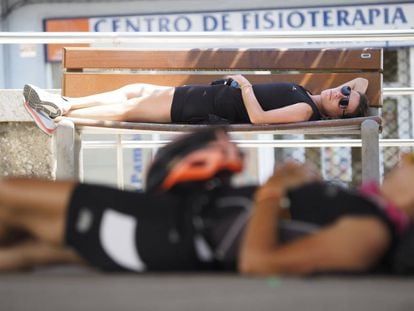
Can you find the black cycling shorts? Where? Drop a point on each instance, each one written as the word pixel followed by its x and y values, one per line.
pixel 121 230
pixel 192 104
pixel 208 104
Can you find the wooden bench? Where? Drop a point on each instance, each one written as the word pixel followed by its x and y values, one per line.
pixel 92 70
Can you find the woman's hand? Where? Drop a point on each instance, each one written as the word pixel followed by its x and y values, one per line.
pixel 287 176
pixel 241 80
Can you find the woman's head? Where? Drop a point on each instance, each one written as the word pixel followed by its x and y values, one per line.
pixel 343 102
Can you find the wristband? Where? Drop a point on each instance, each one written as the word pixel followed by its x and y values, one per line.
pixel 267 195
pixel 274 196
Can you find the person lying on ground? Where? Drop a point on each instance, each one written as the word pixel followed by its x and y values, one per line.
pixel 192 219
pixel 216 103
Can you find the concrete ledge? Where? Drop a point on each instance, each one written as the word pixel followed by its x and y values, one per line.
pixel 11 107
pixel 83 290
pixel 24 149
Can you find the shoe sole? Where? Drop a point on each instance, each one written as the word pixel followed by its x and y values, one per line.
pixel 34 100
pixel 38 120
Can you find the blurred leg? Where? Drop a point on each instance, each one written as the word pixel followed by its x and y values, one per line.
pixel 9 235
pixel 31 253
pixel 35 206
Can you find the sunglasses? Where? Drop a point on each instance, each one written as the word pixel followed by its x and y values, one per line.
pixel 344 102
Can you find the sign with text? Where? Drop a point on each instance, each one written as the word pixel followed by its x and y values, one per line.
pixel 364 17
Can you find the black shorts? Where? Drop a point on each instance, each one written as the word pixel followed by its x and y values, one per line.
pixel 120 230
pixel 208 104
pixel 202 104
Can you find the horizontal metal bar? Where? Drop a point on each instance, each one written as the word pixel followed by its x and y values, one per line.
pixel 346 130
pixel 285 143
pixel 196 37
pixel 389 91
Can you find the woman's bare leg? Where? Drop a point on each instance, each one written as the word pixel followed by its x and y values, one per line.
pixel 117 96
pixel 38 209
pixel 35 206
pixel 31 253
pixel 135 102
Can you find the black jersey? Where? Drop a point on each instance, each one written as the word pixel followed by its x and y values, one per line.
pixel 206 104
pixel 324 203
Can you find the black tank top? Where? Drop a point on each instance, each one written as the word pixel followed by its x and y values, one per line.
pixel 229 102
pixel 203 103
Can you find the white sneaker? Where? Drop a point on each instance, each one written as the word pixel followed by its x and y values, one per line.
pixel 40 100
pixel 43 121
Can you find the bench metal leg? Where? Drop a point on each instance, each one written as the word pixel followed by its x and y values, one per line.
pixel 266 159
pixel 67 151
pixel 370 151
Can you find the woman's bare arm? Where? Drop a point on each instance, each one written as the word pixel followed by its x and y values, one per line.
pixel 261 240
pixel 351 244
pixel 358 84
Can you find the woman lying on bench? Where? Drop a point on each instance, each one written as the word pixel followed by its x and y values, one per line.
pixel 236 101
pixel 191 218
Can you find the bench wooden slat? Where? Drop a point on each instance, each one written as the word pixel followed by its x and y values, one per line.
pixel 260 59
pixel 82 84
pixel 346 126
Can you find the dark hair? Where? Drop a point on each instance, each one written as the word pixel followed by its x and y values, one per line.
pixel 168 156
pixel 361 110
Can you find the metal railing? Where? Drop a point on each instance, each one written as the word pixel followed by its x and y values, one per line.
pixel 262 37
pixel 396 91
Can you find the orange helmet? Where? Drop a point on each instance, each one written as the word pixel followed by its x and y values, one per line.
pixel 196 159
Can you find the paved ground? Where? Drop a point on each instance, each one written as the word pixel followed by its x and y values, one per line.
pixel 75 289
